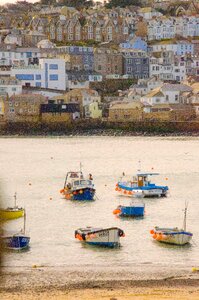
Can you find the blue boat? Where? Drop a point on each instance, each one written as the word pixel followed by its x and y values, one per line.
pixel 17 241
pixel 140 185
pixel 76 187
pixel 133 209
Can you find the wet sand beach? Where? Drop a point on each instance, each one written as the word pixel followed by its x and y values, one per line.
pixel 142 282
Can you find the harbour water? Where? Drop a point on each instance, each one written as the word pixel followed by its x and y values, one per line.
pixel 35 168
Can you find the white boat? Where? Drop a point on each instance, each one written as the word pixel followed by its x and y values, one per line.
pixel 106 237
pixel 141 186
pixel 175 236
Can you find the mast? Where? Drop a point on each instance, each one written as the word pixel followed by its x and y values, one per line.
pixel 185 217
pixel 24 223
pixel 139 166
pixel 15 197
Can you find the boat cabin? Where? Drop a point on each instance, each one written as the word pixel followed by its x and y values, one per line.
pixel 142 179
pixel 74 180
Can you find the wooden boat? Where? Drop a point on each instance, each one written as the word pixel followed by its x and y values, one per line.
pixel 106 237
pixel 16 241
pixel 76 187
pixel 133 209
pixel 175 236
pixel 12 212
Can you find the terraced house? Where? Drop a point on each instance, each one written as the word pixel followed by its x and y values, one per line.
pixel 62 29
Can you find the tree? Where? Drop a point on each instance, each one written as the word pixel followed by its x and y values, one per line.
pixel 123 3
pixel 70 3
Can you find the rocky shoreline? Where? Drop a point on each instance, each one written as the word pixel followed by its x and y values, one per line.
pixel 101 128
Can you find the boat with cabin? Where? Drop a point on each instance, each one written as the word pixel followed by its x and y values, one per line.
pixel 132 209
pixel 12 212
pixel 141 186
pixel 77 187
pixel 175 236
pixel 105 237
pixel 16 241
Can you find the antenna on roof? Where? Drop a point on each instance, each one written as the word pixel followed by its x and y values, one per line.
pixel 139 166
pixel 185 216
pixel 80 167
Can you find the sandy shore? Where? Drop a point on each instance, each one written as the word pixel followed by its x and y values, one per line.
pixel 89 283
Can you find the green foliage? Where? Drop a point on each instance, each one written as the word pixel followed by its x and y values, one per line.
pixel 123 3
pixel 79 43
pixel 110 87
pixel 79 4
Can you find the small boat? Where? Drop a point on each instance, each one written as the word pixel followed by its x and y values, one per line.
pixel 133 209
pixel 173 236
pixel 141 186
pixel 106 237
pixel 17 241
pixel 12 212
pixel 76 187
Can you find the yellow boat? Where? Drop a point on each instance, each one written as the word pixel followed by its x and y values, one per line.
pixel 12 212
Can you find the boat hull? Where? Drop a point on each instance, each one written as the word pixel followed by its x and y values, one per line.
pixel 103 238
pixel 84 194
pixel 16 242
pixel 172 236
pixel 153 191
pixel 9 215
pixel 131 211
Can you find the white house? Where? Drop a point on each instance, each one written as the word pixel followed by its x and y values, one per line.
pixel 15 39
pixel 168 28
pixel 50 73
pixel 11 55
pixel 10 86
pixel 166 94
pixel 165 66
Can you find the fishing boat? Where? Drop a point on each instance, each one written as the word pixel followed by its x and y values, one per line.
pixel 105 237
pixel 141 186
pixel 12 212
pixel 133 209
pixel 175 236
pixel 17 241
pixel 76 187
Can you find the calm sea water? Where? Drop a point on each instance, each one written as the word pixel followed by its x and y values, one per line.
pixel 35 168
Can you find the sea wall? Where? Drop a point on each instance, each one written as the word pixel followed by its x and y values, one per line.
pixel 98 127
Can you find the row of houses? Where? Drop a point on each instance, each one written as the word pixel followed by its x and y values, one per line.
pixel 149 99
pixel 79 66
pixel 168 28
pixel 32 107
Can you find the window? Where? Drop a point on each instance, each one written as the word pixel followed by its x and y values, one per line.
pixel 53 67
pixel 16 103
pixel 38 84
pixel 167 97
pixel 25 76
pixel 38 77
pixel 28 54
pixel 53 77
pixel 176 97
pixel 14 89
pixel 11 110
